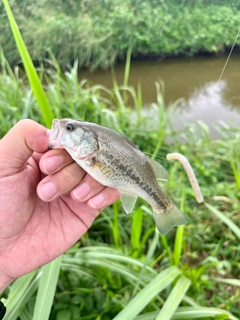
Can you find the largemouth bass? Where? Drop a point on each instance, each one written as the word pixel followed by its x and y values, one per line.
pixel 114 161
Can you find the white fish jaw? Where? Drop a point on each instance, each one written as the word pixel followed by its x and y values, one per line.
pixel 55 136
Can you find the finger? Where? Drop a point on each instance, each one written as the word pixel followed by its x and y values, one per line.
pixel 103 199
pixel 20 142
pixel 37 156
pixel 88 188
pixel 60 183
pixel 54 160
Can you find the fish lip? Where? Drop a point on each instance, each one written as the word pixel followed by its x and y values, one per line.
pixel 55 144
pixel 55 135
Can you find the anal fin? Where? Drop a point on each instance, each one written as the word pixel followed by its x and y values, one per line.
pixel 128 202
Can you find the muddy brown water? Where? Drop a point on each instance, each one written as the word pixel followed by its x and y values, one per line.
pixel 195 80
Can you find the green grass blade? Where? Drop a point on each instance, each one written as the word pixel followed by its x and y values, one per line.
pixel 184 313
pixel 236 172
pixel 167 248
pixel 148 259
pixel 127 67
pixel 21 291
pixel 178 245
pixel 156 285
pixel 30 70
pixel 201 312
pixel 235 229
pixel 115 225
pixel 179 236
pixel 136 228
pixel 231 282
pixel 25 315
pixel 191 302
pixel 173 300
pixel 46 290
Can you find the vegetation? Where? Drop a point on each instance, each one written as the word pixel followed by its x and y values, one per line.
pixel 96 33
pixel 122 267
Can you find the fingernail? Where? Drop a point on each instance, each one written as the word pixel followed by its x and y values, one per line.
pixel 51 164
pixel 97 201
pixel 81 191
pixel 47 191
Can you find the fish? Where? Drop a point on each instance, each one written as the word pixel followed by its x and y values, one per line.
pixel 115 161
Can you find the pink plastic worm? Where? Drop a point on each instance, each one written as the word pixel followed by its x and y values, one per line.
pixel 191 176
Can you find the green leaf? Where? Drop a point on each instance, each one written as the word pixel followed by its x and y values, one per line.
pixel 21 291
pixel 231 282
pixel 184 313
pixel 221 317
pixel 127 67
pixel 156 285
pixel 178 245
pixel 235 229
pixel 25 315
pixel 30 70
pixel 64 315
pixel 46 290
pixel 174 299
pixel 136 228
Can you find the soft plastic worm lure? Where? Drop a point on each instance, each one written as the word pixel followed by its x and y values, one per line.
pixel 191 176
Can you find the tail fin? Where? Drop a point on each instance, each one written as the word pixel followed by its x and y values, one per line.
pixel 168 219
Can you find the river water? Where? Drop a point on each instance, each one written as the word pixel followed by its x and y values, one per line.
pixel 195 80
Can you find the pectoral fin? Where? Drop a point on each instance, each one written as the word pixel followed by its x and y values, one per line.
pixel 168 219
pixel 128 202
pixel 160 172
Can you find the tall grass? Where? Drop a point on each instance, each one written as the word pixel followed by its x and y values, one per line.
pixel 30 70
pixel 99 33
pixel 122 268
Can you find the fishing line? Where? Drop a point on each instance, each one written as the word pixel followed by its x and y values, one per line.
pixel 220 77
pixel 156 158
pixel 223 70
pixel 181 158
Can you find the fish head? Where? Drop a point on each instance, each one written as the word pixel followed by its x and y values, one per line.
pixel 72 135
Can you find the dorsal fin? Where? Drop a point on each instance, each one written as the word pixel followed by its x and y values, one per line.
pixel 160 172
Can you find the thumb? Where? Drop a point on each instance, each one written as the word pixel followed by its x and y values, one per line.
pixel 17 146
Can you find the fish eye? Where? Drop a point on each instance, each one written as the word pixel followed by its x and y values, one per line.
pixel 69 127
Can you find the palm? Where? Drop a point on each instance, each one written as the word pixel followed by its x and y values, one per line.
pixel 39 229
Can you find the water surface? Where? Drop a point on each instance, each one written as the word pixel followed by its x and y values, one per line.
pixel 195 80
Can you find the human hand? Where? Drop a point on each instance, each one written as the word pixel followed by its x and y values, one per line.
pixel 47 201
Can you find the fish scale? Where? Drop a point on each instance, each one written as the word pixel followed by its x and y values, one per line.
pixel 132 174
pixel 114 161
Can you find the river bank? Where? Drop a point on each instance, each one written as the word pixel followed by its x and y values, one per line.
pixel 193 81
pixel 99 33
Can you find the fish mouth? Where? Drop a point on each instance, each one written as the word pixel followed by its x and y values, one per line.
pixel 55 135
